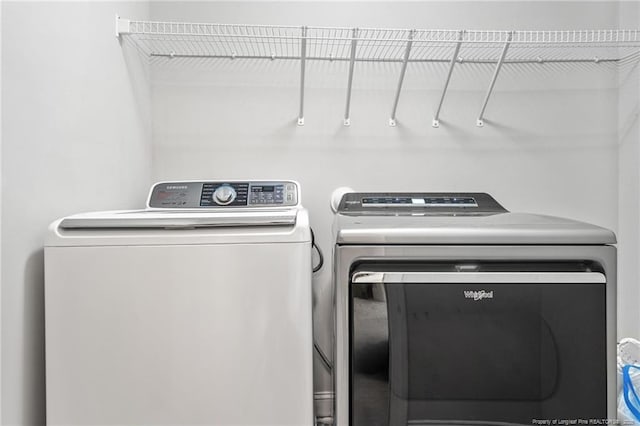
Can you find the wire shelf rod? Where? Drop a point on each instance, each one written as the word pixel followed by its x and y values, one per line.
pixel 454 59
pixel 303 53
pixel 352 62
pixel 480 120
pixel 589 43
pixel 444 60
pixel 405 62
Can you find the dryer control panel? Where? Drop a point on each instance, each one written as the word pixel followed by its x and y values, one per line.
pixel 223 194
pixel 433 203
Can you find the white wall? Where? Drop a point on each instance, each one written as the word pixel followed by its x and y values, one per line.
pixel 551 144
pixel 0 218
pixel 75 137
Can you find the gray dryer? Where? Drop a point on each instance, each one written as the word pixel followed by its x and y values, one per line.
pixel 450 309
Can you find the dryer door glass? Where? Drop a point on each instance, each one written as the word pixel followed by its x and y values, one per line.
pixel 487 347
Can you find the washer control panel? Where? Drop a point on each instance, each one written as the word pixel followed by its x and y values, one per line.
pixel 222 194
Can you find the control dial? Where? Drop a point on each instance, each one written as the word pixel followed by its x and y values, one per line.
pixel 224 195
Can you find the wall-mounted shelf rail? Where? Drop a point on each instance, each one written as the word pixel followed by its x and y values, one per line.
pixel 404 46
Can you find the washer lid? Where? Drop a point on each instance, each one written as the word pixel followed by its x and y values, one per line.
pixel 183 219
pixel 500 228
pixel 183 227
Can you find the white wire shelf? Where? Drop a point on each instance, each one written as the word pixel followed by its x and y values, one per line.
pixel 230 41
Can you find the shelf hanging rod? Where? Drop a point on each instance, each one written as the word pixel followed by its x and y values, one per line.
pixel 303 57
pixel 454 59
pixel 352 62
pixel 405 61
pixel 539 60
pixel 480 120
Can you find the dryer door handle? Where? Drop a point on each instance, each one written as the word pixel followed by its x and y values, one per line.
pixel 376 277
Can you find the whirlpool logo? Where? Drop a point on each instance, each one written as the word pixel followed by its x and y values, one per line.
pixel 478 295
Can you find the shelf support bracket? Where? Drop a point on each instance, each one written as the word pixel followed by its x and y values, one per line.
pixel 303 60
pixel 123 26
pixel 480 120
pixel 405 61
pixel 352 62
pixel 452 63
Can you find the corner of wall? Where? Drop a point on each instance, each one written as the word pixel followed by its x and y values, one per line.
pixel 1 7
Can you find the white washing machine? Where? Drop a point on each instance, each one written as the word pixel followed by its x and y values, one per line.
pixel 196 310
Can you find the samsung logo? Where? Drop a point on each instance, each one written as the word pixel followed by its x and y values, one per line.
pixel 478 295
pixel 176 186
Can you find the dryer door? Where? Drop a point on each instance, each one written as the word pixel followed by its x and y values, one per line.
pixel 488 343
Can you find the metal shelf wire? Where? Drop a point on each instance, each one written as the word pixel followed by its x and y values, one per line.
pixel 233 41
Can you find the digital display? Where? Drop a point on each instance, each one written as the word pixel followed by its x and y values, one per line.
pixel 420 201
pixel 263 188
